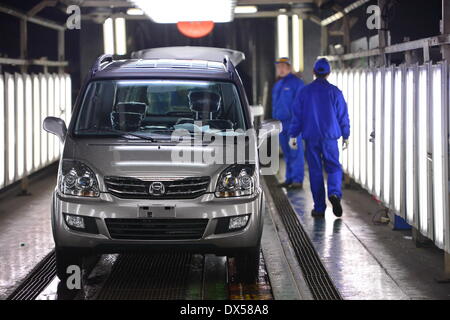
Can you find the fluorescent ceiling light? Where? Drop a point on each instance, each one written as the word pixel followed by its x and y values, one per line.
pixel 135 12
pixel 246 9
pixel 108 36
pixel 121 39
pixel 283 35
pixel 173 11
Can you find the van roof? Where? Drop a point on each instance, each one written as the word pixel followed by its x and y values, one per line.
pixel 161 68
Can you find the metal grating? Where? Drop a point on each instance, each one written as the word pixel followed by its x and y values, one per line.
pixel 148 277
pixel 39 278
pixel 316 276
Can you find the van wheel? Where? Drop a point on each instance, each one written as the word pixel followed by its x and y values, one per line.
pixel 247 265
pixel 65 258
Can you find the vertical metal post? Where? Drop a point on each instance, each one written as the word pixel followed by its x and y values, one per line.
pixel 382 33
pixel 324 41
pixel 61 49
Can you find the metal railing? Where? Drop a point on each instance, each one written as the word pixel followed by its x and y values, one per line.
pixel 399 143
pixel 25 101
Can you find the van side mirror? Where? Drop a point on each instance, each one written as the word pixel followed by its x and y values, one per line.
pixel 267 129
pixel 56 126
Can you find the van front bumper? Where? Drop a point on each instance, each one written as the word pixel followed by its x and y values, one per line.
pixel 205 207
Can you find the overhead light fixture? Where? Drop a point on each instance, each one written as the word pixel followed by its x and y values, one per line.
pixel 174 11
pixel 245 9
pixel 283 35
pixel 297 43
pixel 114 36
pixel 135 12
pixel 108 36
pixel 120 35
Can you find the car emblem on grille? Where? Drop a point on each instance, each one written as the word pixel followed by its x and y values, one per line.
pixel 157 189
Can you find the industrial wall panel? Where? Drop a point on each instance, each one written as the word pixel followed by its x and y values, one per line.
pixel 25 101
pixel 399 141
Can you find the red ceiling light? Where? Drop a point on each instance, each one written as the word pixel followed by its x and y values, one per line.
pixel 195 29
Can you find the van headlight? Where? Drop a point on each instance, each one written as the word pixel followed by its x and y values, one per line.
pixel 236 181
pixel 77 179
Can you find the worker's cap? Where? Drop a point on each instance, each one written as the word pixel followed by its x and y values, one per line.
pixel 283 60
pixel 322 66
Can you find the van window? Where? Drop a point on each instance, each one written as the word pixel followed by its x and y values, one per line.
pixel 158 106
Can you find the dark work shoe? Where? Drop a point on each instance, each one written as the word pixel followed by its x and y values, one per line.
pixel 284 184
pixel 337 208
pixel 296 185
pixel 317 214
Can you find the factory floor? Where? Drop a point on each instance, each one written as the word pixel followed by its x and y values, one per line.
pixel 364 258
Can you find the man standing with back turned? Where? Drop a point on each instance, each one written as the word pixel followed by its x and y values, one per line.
pixel 283 94
pixel 320 114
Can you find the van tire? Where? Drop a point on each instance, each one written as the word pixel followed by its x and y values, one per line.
pixel 65 258
pixel 247 265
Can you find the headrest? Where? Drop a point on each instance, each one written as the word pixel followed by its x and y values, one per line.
pixel 204 101
pixel 134 107
pixel 126 121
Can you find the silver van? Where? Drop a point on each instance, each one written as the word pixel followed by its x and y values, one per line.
pixel 122 183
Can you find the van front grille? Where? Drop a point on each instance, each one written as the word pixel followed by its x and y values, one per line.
pixel 134 188
pixel 156 229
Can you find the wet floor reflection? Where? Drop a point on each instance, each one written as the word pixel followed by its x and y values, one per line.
pixel 355 271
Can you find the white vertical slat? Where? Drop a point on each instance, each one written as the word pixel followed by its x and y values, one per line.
pixel 363 136
pixel 440 152
pixel 2 133
pixel 20 128
pixel 378 156
pixel 351 107
pixel 44 114
pixel 51 112
pixel 344 89
pixel 68 95
pixel 57 113
pixel 387 136
pixel 370 129
pixel 28 123
pixel 340 84
pixel 398 134
pixel 423 130
pixel 36 122
pixel 356 125
pixel 10 128
pixel 411 146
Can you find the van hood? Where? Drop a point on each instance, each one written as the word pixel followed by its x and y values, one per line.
pixel 145 159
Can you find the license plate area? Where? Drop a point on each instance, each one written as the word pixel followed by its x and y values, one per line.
pixel 156 211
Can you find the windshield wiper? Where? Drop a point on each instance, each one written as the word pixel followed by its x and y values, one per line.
pixel 119 132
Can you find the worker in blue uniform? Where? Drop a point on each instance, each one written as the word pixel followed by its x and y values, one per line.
pixel 283 95
pixel 320 115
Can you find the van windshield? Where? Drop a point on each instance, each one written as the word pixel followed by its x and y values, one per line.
pixel 148 107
